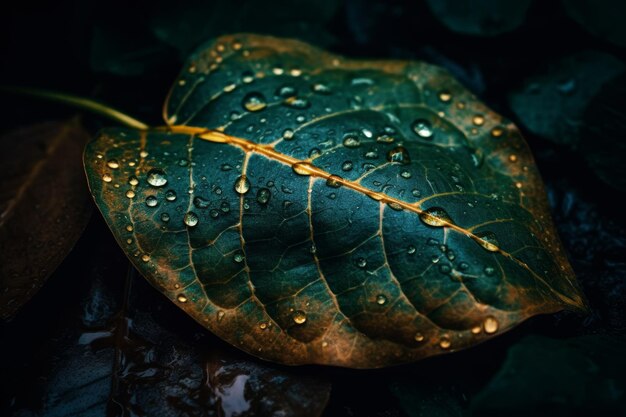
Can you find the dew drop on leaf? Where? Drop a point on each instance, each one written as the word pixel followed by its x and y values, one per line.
pixel 334 181
pixel 181 298
pixel 445 96
pixel 351 141
pixel 423 128
pixel 497 131
pixel 347 166
pixel 170 195
pixel 361 262
pixel 130 194
pixel 299 317
pixel 263 196
pixel 165 217
pixel 151 201
pixel 381 299
pixel 190 219
pixel 297 103
pixel 200 202
pixel 157 178
pixel 107 178
pixel 436 217
pixel 303 168
pixel 490 325
pixel 254 102
pixel 487 240
pixel 113 164
pixel 242 185
pixel 445 343
pixel 478 120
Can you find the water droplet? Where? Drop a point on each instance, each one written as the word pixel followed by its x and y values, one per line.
pixel 321 89
pixel 476 330
pixel 463 266
pixel 299 317
pixel 497 131
pixel 170 195
pixel 151 201
pixel 165 217
pixel 238 257
pixel 435 216
pixel 133 180
pixel 145 257
pixel 490 325
pixel 445 96
pixel 350 141
pixel 314 153
pixel 411 250
pixel 191 219
pixel 445 343
pixel 226 167
pixel 303 168
pixel 297 103
pixel 489 271
pixel 113 164
pixel 129 228
pixel 263 195
pixel 214 213
pixel 242 185
pixel 263 325
pixel 107 178
pixel 478 120
pixel 200 202
pixel 181 298
pixel 418 337
pixel 157 178
pixel 220 315
pixel 254 102
pixel 286 91
pixel 130 194
pixel 347 166
pixel 288 134
pixel 225 207
pixel 361 262
pixel 513 158
pixel 399 155
pixel 143 154
pixel 247 77
pixel 422 128
pixel 334 181
pixel 487 240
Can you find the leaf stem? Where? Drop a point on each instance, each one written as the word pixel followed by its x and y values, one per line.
pixel 81 103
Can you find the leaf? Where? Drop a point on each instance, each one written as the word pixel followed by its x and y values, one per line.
pixel 480 17
pixel 603 133
pixel 44 206
pixel 436 238
pixel 551 102
pixel 120 351
pixel 550 377
pixel 603 18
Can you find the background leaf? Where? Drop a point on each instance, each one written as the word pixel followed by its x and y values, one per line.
pixel 44 206
pixel 603 18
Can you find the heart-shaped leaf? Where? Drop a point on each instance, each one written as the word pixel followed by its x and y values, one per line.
pixel 313 209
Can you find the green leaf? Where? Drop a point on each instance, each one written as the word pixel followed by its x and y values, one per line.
pixel 480 17
pixel 552 101
pixel 602 18
pixel 308 208
pixel 44 206
pixel 550 377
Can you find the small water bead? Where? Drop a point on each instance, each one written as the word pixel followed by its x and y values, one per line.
pixel 497 131
pixel 399 155
pixel 230 87
pixel 165 217
pixel 143 154
pixel 220 315
pixel 436 217
pixel 297 103
pixel 487 240
pixel 463 266
pixel 476 330
pixel 361 262
pixel 238 257
pixel 145 257
pixel 314 153
pixel 129 241
pixel 170 195
pixel 288 134
pixel 151 201
pixel 130 194
pixel 214 213
pixel 411 249
pixel 419 337
pixel 190 219
pixel 113 164
pixel 490 325
pixel 395 206
pixel 478 120
pixel 133 181
pixel 300 119
pixel 423 128
pixel 107 178
pixel 263 196
pixel 263 325
pixel 247 77
pixel 372 154
pixel 321 89
pixel 381 299
pixel 347 166
pixel 278 71
pixel 200 202
pixel 299 317
pixel 405 174
pixel 385 138
pixel 445 96
pixel 351 141
pixel 225 207
pixel 513 158
pixel 444 269
pixel 254 102
pixel 416 193
pixel 334 181
pixel 181 298
pixel 303 168
pixel 242 185
pixel 489 271
pixel 445 343
pixel 157 178
pixel 129 228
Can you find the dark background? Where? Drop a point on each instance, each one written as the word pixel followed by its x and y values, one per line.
pixel 556 68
